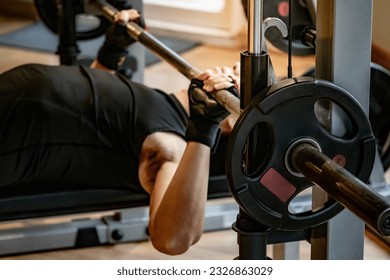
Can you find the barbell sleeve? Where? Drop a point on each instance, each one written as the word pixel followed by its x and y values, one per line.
pixel 223 97
pixel 351 192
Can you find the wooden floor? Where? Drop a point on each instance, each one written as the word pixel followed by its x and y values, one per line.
pixel 214 245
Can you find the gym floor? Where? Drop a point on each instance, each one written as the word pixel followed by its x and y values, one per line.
pixel 214 245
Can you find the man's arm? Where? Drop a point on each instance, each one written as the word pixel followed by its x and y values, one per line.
pixel 178 190
pixel 176 174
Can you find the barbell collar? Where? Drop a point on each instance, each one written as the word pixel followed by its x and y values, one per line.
pixel 351 192
pixel 223 97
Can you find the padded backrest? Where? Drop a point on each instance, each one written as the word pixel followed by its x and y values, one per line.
pixel 36 200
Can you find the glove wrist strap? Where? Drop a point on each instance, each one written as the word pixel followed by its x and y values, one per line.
pixel 202 131
pixel 111 56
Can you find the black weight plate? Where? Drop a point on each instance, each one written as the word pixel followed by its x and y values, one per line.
pixel 379 114
pixel 285 116
pixel 48 12
pixel 301 19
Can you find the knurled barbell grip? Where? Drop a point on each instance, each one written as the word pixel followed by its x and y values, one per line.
pixel 352 193
pixel 223 97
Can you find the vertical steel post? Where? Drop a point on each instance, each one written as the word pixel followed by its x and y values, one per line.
pixel 343 56
pixel 254 61
pixel 254 78
pixel 67 48
pixel 255 18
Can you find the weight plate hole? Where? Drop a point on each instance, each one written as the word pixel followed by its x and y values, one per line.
pixel 302 202
pixel 334 119
pixel 260 143
pixel 85 23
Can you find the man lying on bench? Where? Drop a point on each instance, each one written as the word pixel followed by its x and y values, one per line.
pixel 78 125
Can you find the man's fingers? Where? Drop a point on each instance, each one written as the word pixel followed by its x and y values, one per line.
pixel 203 76
pixel 125 16
pixel 217 83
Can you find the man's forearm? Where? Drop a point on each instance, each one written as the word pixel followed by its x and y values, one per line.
pixel 179 220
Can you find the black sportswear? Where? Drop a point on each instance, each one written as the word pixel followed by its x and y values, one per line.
pixel 78 126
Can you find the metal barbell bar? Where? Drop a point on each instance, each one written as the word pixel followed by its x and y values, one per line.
pixel 352 193
pixel 223 97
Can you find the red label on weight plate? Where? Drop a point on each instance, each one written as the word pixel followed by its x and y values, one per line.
pixel 283 9
pixel 277 184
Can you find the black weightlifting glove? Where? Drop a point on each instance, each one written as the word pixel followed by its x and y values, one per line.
pixel 114 49
pixel 205 115
pixel 121 4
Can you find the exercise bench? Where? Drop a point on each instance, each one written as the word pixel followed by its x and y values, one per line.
pixel 117 214
pixel 110 214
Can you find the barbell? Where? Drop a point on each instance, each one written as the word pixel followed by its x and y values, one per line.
pixel 294 149
pixel 225 98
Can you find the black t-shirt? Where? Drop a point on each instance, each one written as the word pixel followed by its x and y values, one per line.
pixel 70 125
